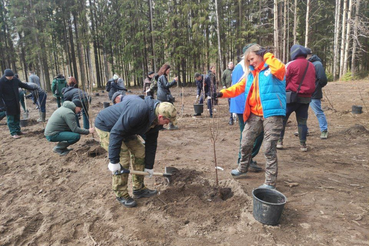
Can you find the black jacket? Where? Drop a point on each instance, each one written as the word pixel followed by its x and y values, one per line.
pixel 320 77
pixel 9 94
pixel 163 93
pixel 72 93
pixel 114 87
pixel 133 116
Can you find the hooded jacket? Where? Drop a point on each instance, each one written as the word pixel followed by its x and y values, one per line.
pixel 9 94
pixel 64 120
pixel 296 70
pixel 57 86
pixel 272 91
pixel 133 116
pixel 320 77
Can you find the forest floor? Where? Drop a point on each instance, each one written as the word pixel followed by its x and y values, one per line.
pixel 46 199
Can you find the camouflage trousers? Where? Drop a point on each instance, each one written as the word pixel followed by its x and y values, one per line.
pixel 132 150
pixel 272 127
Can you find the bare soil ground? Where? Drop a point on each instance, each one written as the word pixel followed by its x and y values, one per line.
pixel 46 199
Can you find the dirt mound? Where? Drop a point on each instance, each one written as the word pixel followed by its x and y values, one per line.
pixel 356 130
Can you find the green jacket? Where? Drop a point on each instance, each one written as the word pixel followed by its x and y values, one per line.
pixel 227 77
pixel 63 120
pixel 57 86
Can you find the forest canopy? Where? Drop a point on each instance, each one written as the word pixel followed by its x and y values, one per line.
pixel 93 39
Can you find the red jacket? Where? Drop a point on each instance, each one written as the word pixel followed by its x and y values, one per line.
pixel 295 71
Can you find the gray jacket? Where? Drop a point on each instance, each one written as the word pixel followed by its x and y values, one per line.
pixel 164 94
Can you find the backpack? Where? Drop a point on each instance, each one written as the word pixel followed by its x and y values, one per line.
pixel 108 86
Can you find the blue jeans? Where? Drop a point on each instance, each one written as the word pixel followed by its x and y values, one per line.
pixel 316 106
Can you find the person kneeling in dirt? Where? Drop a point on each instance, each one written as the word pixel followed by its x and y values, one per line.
pixel 62 127
pixel 118 127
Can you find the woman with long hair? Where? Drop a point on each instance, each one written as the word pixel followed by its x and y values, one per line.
pixel 164 94
pixel 265 108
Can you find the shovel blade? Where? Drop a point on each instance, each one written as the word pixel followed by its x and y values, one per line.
pixel 170 170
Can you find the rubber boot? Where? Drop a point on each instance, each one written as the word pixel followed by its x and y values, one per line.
pixel 42 117
pixel 61 148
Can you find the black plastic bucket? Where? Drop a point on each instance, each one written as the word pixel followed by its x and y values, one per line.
pixel 142 96
pixel 24 122
pixel 199 108
pixel 106 104
pixel 268 205
pixel 97 94
pixel 357 109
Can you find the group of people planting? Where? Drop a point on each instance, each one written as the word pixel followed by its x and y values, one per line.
pixel 263 94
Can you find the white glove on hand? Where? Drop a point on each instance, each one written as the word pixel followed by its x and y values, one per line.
pixel 150 171
pixel 197 96
pixel 224 87
pixel 209 97
pixel 114 167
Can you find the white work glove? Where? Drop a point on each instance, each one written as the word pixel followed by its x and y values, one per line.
pixel 209 97
pixel 150 171
pixel 114 167
pixel 197 96
pixel 148 90
pixel 224 87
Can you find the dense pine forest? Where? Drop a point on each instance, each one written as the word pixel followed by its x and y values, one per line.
pixel 92 39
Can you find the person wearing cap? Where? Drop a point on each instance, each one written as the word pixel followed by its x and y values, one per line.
pixel 9 95
pixel 147 83
pixel 118 96
pixel 320 82
pixel 265 107
pixel 72 92
pixel 62 127
pixel 119 128
pixel 114 86
pixel 164 94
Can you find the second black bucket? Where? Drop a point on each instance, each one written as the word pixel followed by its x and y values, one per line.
pixel 24 122
pixel 268 205
pixel 106 104
pixel 357 109
pixel 199 108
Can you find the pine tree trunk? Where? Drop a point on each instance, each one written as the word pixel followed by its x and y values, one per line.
pixel 343 36
pixel 218 34
pixel 336 36
pixel 152 38
pixel 354 39
pixel 345 60
pixel 276 30
pixel 307 23
pixel 295 23
pixel 284 30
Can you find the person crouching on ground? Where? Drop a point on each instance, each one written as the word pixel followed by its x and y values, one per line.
pixel 118 127
pixel 62 127
pixel 265 108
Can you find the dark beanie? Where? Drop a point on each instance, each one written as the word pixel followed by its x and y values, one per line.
pixel 150 73
pixel 8 73
pixel 77 103
pixel 116 94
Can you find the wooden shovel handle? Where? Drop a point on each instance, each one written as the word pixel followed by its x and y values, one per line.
pixel 145 173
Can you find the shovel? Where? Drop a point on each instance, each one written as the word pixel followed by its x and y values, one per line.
pixel 25 114
pixel 169 171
